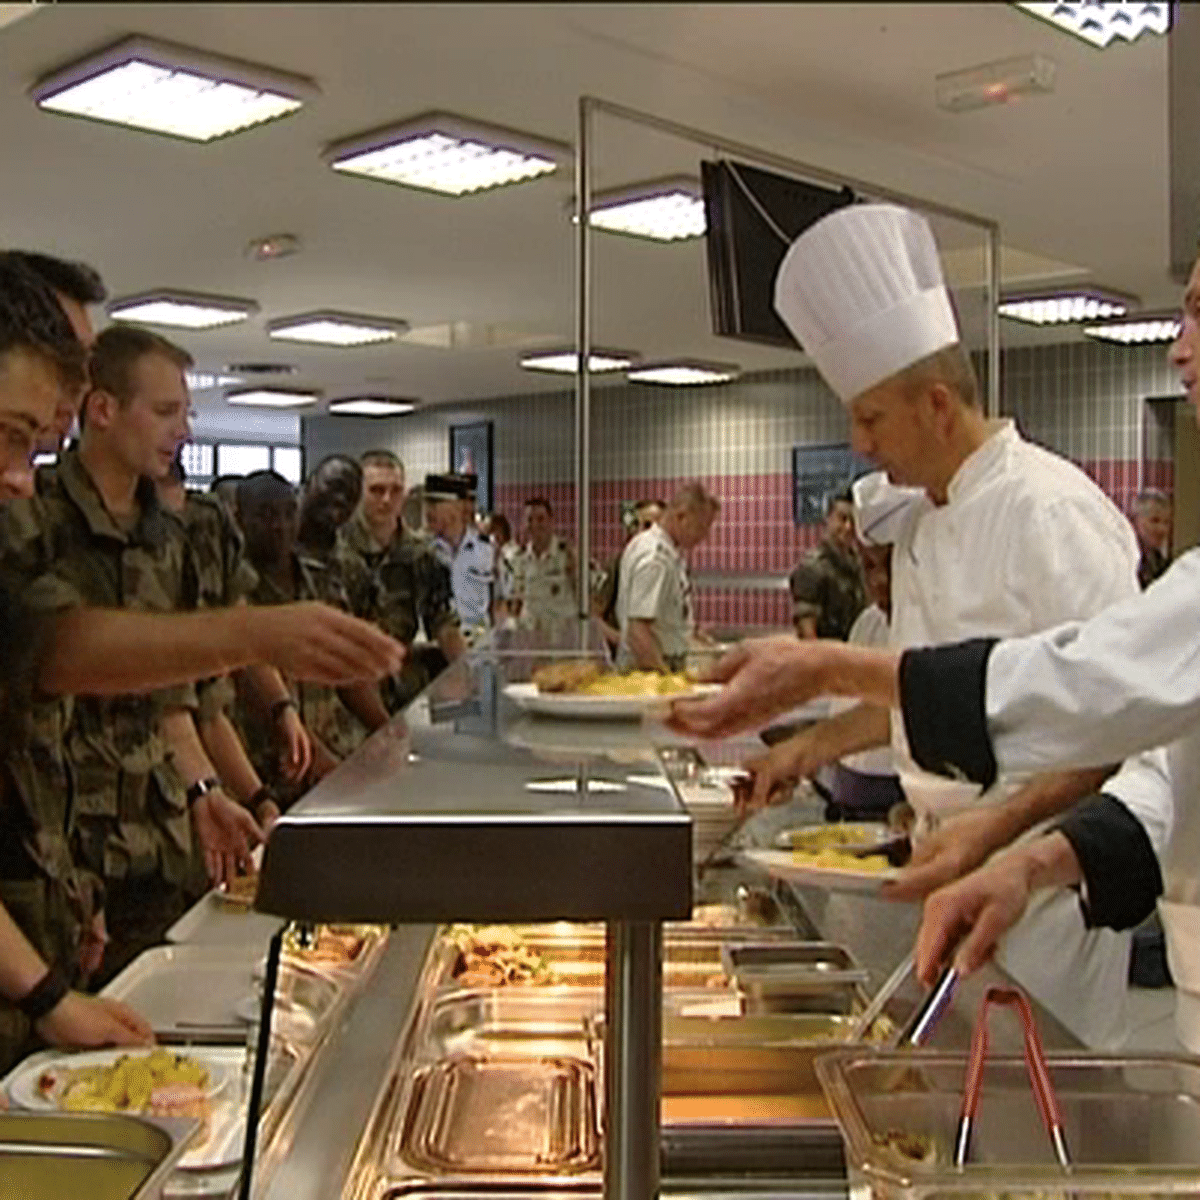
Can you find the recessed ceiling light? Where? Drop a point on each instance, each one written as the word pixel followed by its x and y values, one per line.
pixel 566 362
pixel 438 152
pixel 684 372
pixel 183 310
pixel 272 397
pixel 1099 23
pixel 371 406
pixel 1066 306
pixel 335 329
pixel 169 89
pixel 1140 330
pixel 662 210
pixel 206 381
pixel 261 368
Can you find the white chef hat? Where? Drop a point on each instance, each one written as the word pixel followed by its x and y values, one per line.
pixel 863 294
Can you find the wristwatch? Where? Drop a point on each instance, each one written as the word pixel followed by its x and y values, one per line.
pixel 280 707
pixel 201 788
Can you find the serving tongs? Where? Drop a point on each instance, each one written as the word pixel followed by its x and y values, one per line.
pixel 1035 1062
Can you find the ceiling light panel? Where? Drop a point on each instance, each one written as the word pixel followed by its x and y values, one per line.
pixel 162 88
pixel 336 329
pixel 453 156
pixel 666 210
pixel 684 373
pixel 181 310
pixel 206 381
pixel 371 406
pixel 566 362
pixel 1101 24
pixel 1137 331
pixel 272 398
pixel 1066 307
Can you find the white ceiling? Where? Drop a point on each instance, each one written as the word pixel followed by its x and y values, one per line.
pixel 1077 180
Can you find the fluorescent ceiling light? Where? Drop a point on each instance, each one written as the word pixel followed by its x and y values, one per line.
pixel 371 406
pixel 182 310
pixel 1066 307
pixel 1099 23
pixel 206 381
pixel 566 362
pixel 1142 330
pixel 663 210
pixel 438 152
pixel 335 329
pixel 169 89
pixel 684 373
pixel 272 397
pixel 994 83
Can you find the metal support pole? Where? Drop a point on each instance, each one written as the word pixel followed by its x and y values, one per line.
pixel 992 260
pixel 632 1059
pixel 583 349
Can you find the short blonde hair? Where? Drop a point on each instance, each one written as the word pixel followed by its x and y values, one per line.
pixel 949 366
pixel 694 497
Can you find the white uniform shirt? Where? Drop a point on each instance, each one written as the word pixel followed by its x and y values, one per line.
pixel 472 573
pixel 1025 541
pixel 870 628
pixel 542 583
pixel 654 586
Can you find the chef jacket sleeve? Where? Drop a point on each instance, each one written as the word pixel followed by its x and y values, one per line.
pixel 1121 872
pixel 1080 694
pixel 648 582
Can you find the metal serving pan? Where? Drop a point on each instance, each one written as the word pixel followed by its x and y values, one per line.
pixel 49 1156
pixel 795 976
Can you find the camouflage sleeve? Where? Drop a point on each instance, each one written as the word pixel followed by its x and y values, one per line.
pixel 436 599
pixel 808 586
pixel 359 584
pixel 214 697
pixel 28 561
pixel 182 696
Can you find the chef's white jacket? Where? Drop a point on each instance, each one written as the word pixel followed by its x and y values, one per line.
pixel 1025 541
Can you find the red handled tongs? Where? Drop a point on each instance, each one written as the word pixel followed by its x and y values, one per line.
pixel 1035 1061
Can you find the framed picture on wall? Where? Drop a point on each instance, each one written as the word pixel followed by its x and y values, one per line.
pixel 819 472
pixel 471 454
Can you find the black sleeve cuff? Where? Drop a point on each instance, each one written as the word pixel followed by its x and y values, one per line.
pixel 943 697
pixel 1120 868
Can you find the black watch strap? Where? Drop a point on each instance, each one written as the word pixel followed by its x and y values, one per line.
pixel 280 707
pixel 44 995
pixel 201 788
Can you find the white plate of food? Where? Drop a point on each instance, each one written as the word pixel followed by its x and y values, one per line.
pixel 587 690
pixel 118 1079
pixel 830 869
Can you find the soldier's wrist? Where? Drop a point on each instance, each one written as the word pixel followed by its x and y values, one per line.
pixel 202 788
pixel 44 996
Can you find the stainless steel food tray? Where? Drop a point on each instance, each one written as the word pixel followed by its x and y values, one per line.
pixel 49 1156
pixel 798 976
pixel 502 1117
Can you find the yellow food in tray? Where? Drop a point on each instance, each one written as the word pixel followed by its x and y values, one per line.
pixel 833 837
pixel 126 1085
pixel 837 860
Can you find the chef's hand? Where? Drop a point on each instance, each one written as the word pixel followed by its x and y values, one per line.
pixel 226 832
pixel 295 746
pixel 763 678
pixel 91 946
pixel 85 1021
pixel 313 641
pixel 954 849
pixel 795 758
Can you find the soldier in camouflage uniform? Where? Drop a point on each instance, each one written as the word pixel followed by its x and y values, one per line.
pixel 828 591
pixel 409 588
pixel 268 516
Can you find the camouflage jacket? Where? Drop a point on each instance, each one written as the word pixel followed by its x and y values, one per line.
pixel 218 575
pixel 320 707
pixel 828 584
pixel 407 589
pixel 65 542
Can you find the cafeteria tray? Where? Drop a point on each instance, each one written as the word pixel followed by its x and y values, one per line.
pixel 502 1116
pixel 189 992
pixel 212 920
pixel 817 976
pixel 1132 1125
pixel 49 1156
